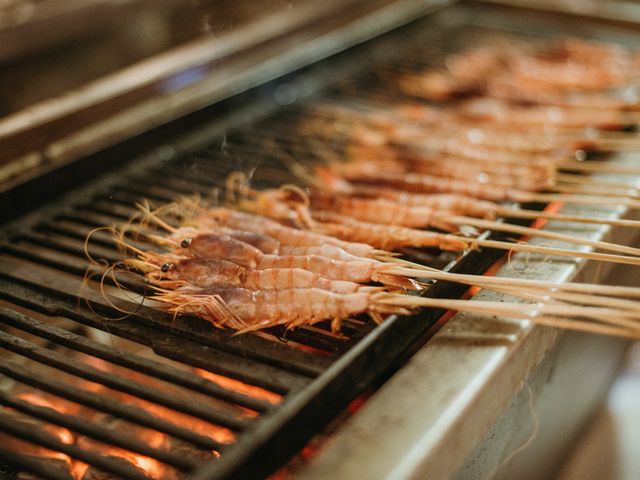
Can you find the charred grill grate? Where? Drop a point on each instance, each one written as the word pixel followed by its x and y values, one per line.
pixel 311 372
pixel 41 278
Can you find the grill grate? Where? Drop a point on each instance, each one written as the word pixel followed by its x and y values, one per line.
pixel 305 377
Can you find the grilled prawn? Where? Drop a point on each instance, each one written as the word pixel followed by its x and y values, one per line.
pixel 216 246
pixel 247 310
pixel 169 271
pixel 287 236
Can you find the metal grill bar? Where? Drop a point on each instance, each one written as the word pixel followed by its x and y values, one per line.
pixel 53 241
pixel 33 465
pixel 107 405
pixel 250 346
pixel 128 360
pixel 45 440
pixel 61 362
pixel 102 434
pixel 175 348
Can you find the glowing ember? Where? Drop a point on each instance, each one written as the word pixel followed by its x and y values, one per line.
pixel 62 434
pixel 215 432
pixel 149 466
pixel 240 387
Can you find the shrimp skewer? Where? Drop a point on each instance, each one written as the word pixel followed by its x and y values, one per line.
pixel 361 270
pixel 388 212
pixel 421 183
pixel 246 310
pixel 379 210
pixel 501 171
pixel 201 269
pixel 503 126
pixel 457 204
pixel 389 236
pixel 174 272
pixel 287 236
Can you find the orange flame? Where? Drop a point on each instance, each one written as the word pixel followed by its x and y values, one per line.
pixel 241 387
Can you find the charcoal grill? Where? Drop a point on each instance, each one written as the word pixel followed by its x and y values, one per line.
pixel 314 372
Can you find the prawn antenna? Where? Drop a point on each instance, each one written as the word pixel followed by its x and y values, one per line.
pixel 151 216
pixel 87 239
pixel 236 186
pixel 294 166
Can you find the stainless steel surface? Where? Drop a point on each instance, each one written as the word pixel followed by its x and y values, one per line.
pixel 438 414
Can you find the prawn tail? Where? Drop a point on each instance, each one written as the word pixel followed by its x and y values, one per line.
pixel 380 306
pixel 237 188
pixel 455 243
pixel 444 226
pixel 397 281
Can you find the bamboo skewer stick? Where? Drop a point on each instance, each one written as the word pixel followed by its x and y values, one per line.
pixel 629 143
pixel 534 232
pixel 593 189
pixel 598 166
pixel 416 270
pixel 519 247
pixel 520 196
pixel 628 309
pixel 579 179
pixel 531 293
pixel 536 313
pixel 532 214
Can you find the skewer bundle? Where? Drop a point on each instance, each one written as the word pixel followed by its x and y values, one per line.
pixel 247 272
pixel 568 72
pixel 292 257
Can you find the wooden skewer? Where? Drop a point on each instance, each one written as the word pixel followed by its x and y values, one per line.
pixel 579 326
pixel 540 314
pixel 630 307
pixel 593 189
pixel 626 310
pixel 520 196
pixel 532 214
pixel 579 179
pixel 519 247
pixel 524 310
pixel 534 232
pixel 598 166
pixel 416 270
pixel 619 144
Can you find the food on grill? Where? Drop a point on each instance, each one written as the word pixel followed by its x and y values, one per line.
pixel 171 271
pixel 247 310
pixel 553 75
pixel 284 234
pixel 452 203
pixel 360 224
pixel 233 284
pixel 291 257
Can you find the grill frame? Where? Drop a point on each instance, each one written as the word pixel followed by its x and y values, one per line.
pixel 321 389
